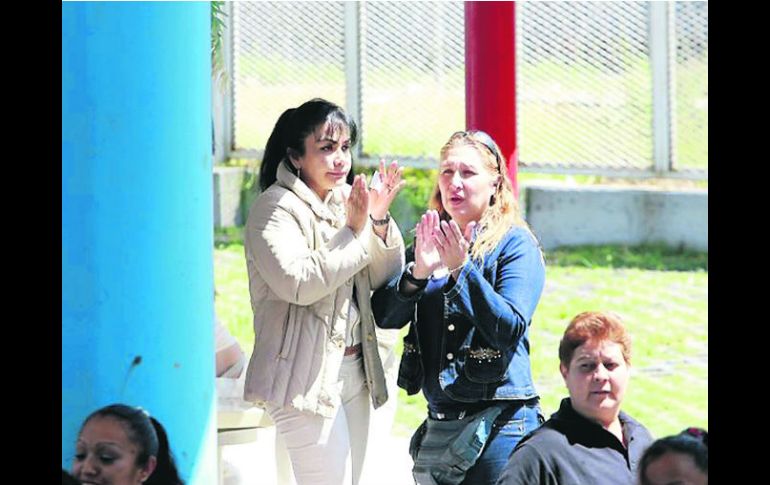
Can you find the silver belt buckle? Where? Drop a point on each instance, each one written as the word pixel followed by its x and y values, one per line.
pixel 440 415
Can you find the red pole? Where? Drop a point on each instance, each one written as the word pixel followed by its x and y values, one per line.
pixel 490 75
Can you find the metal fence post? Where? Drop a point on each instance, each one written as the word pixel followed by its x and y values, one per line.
pixel 353 68
pixel 222 94
pixel 661 21
pixel 227 115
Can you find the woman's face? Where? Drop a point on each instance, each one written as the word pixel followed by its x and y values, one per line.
pixel 105 456
pixel 466 184
pixel 327 159
pixel 673 468
pixel 597 378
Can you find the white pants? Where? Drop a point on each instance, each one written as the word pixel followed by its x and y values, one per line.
pixel 328 450
pixel 378 471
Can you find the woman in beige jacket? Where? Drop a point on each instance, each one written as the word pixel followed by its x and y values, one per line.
pixel 316 248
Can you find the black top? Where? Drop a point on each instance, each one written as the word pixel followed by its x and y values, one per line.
pixel 568 449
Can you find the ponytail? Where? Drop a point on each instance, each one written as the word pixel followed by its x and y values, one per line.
pixel 165 471
pixel 275 150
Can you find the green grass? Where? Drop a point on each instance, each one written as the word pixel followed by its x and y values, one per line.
pixel 232 292
pixel 661 293
pixel 667 316
pixel 648 257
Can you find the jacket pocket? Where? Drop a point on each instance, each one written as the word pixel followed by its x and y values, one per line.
pixel 324 310
pixel 410 369
pixel 485 365
pixel 288 331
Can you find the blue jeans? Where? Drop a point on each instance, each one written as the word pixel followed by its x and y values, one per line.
pixel 506 433
pixel 473 450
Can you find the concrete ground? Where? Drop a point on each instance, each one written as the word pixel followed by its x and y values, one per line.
pixel 254 463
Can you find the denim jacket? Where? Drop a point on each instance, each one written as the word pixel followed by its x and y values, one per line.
pixel 483 323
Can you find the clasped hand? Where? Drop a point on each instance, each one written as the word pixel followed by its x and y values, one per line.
pixel 376 200
pixel 439 243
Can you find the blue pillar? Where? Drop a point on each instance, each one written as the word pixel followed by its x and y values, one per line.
pixel 137 257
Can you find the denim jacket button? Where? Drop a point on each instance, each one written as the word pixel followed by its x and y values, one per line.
pixel 451 327
pixel 450 356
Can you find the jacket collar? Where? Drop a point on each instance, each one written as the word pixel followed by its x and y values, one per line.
pixel 331 208
pixel 570 422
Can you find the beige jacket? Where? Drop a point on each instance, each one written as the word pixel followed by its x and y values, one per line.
pixel 302 263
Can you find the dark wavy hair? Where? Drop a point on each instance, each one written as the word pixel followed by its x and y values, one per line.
pixel 692 441
pixel 291 129
pixel 150 438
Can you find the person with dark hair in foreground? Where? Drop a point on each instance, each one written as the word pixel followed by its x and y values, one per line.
pixel 123 445
pixel 682 459
pixel 589 439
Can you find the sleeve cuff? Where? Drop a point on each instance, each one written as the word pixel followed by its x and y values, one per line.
pixel 391 240
pixel 404 298
pixel 461 281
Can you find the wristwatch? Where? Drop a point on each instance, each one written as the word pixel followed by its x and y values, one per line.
pixel 380 222
pixel 418 282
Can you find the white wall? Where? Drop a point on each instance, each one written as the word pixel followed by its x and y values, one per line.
pixel 568 216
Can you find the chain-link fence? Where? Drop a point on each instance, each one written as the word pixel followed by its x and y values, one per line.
pixel 602 87
pixel 607 87
pixel 413 77
pixel 284 53
pixel 690 72
pixel 399 70
pixel 584 85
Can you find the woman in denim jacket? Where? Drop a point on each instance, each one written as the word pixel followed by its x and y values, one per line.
pixel 471 285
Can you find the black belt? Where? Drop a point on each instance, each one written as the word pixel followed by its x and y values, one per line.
pixel 457 413
pixel 471 410
pixel 449 415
